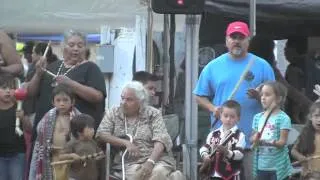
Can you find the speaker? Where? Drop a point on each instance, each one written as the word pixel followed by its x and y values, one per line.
pixel 177 6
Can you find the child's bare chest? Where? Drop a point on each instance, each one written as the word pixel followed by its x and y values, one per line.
pixel 61 131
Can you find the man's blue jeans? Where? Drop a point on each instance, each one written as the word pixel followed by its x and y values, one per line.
pixel 12 167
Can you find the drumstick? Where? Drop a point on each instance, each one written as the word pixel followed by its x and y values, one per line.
pixel 305 160
pixel 90 156
pixel 45 55
pixel 47 49
pixel 49 73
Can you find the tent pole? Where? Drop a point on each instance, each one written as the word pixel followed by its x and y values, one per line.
pixel 166 60
pixel 190 156
pixel 149 59
pixel 253 16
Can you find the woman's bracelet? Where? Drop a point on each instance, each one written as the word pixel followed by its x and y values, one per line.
pixel 152 161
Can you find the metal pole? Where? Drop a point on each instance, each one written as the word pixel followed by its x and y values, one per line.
pixel 149 59
pixel 253 17
pixel 190 157
pixel 172 66
pixel 166 59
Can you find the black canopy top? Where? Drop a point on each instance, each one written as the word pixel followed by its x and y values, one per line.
pixel 277 18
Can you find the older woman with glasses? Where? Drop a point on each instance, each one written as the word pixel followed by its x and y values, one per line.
pixel 149 154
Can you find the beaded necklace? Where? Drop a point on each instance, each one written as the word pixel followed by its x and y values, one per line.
pixel 54 83
pixel 134 132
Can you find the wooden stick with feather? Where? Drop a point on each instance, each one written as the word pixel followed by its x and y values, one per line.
pixel 94 156
pixel 305 160
pixel 256 142
pixel 236 87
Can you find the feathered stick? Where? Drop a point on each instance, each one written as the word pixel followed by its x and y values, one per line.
pixel 86 157
pixel 305 160
pixel 236 87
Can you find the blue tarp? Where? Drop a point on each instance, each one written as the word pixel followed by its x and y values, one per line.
pixel 91 38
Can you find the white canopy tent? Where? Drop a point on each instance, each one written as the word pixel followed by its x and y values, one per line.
pixel 56 16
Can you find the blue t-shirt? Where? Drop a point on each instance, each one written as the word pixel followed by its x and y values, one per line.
pixel 219 78
pixel 271 158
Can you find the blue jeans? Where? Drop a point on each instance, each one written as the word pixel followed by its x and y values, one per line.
pixel 12 167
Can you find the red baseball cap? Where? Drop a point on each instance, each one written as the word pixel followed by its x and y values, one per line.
pixel 239 27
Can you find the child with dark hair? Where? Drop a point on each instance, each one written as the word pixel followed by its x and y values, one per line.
pixel 64 91
pixel 80 124
pixel 12 146
pixel 308 143
pixel 53 132
pixel 82 129
pixel 270 134
pixel 223 152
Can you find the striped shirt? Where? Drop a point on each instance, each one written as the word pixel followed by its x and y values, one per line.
pixel 270 158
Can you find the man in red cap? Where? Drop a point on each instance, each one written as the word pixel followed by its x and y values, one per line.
pixel 218 79
pixel 237 40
